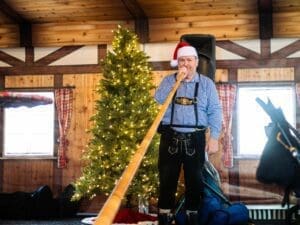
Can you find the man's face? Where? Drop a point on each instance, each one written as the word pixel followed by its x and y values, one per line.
pixel 190 63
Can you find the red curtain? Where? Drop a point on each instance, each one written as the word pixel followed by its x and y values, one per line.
pixel 64 107
pixel 227 96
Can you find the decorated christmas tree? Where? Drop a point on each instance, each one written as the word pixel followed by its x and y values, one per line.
pixel 124 113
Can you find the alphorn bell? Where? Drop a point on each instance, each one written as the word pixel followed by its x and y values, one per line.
pixel 112 204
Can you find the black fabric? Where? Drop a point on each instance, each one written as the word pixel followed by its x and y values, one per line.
pixel 39 204
pixel 192 219
pixel 165 219
pixel 175 151
pixel 279 162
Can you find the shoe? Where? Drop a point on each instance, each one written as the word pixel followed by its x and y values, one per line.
pixel 192 219
pixel 165 219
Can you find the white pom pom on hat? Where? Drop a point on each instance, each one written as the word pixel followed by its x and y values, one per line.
pixel 182 49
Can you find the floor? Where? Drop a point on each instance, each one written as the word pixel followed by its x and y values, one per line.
pixel 77 221
pixel 42 222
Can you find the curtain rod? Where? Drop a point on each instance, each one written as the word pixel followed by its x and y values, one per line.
pixel 36 88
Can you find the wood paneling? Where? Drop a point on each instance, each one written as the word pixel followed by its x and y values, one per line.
pixel 26 175
pixel 83 108
pixel 41 171
pixel 9 35
pixel 76 22
pixel 47 11
pixel 221 26
pixel 72 33
pixel 268 74
pixel 28 81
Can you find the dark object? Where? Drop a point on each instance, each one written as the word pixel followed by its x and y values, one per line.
pixel 67 208
pixel 205 45
pixel 39 204
pixel 164 219
pixel 265 10
pixel 283 146
pixel 215 208
pixel 280 161
pixel 192 219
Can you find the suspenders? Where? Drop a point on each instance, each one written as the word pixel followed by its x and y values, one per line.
pixel 186 101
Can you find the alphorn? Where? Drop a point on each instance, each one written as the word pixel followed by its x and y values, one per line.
pixel 112 204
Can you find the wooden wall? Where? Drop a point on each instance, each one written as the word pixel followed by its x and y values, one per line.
pixel 30 174
pixel 166 23
pixel 27 175
pixel 239 182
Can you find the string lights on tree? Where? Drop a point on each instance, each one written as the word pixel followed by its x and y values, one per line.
pixel 124 113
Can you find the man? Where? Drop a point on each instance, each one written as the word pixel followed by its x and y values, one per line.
pixel 195 107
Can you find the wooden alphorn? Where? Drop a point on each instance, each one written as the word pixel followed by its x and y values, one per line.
pixel 112 204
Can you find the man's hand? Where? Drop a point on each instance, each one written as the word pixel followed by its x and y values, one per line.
pixel 212 146
pixel 182 73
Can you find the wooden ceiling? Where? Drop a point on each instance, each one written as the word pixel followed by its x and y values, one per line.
pixel 64 22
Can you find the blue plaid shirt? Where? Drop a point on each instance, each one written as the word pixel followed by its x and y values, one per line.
pixel 208 105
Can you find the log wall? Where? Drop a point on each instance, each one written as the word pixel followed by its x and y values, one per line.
pixel 166 21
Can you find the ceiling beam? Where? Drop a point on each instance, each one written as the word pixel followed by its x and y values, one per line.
pixel 141 19
pixel 265 10
pixel 24 25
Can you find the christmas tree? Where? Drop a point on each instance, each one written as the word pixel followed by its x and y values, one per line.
pixel 124 113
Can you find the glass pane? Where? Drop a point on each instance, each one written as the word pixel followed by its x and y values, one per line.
pixel 29 131
pixel 252 118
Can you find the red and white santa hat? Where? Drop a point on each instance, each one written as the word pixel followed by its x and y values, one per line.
pixel 182 49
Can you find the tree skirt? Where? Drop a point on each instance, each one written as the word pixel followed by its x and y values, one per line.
pixel 127 216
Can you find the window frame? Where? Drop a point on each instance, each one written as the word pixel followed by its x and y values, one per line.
pixel 236 135
pixel 55 130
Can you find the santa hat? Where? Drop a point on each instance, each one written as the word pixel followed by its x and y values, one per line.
pixel 182 49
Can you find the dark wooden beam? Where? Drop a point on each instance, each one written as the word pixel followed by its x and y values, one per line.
pixel 287 50
pixel 238 49
pixel 102 52
pixel 263 63
pixel 57 172
pixel 265 11
pixel 25 34
pixel 11 60
pixel 61 52
pixel 29 56
pixel 265 48
pixel 297 76
pixel 24 25
pixel 141 19
pixel 240 63
pixel 157 66
pixel 142 29
pixel 233 74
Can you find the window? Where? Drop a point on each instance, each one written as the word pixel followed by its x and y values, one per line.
pixel 252 118
pixel 29 131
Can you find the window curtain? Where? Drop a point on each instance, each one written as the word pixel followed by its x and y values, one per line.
pixel 64 107
pixel 227 96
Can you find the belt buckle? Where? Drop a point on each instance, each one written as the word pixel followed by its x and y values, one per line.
pixel 184 101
